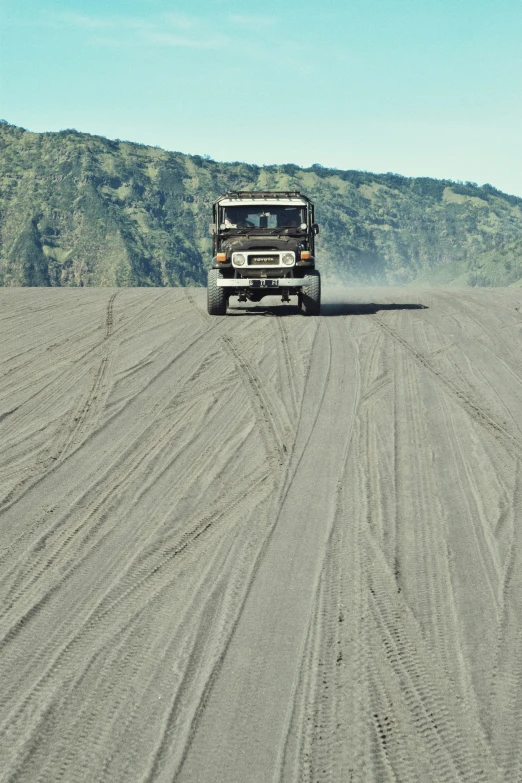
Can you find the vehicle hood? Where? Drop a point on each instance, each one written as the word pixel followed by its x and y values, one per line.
pixel 249 242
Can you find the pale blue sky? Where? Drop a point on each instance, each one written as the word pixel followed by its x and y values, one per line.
pixel 417 87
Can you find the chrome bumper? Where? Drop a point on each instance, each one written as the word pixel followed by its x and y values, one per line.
pixel 257 282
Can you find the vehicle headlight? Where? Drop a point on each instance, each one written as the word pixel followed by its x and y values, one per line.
pixel 288 258
pixel 239 259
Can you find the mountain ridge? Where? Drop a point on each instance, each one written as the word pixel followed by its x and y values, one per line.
pixel 80 209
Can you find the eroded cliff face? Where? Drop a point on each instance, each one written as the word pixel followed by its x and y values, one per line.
pixel 81 210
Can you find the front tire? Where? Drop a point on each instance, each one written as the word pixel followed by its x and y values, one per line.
pixel 217 299
pixel 310 296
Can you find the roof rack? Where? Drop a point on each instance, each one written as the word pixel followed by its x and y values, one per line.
pixel 251 194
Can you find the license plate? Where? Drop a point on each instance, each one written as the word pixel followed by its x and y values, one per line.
pixel 264 283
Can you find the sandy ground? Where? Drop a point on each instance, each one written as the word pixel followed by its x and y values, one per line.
pixel 262 547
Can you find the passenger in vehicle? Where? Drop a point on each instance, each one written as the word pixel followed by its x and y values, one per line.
pixel 289 218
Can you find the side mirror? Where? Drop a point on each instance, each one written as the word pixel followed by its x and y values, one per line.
pixel 315 228
pixel 212 228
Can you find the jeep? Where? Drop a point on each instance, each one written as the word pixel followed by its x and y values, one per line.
pixel 263 244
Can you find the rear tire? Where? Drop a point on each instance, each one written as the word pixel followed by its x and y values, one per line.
pixel 217 299
pixel 310 296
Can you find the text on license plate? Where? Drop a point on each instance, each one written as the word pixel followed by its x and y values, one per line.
pixel 264 283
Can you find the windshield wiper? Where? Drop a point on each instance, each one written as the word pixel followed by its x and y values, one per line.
pixel 256 229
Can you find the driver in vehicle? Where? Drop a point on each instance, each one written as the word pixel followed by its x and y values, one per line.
pixel 235 218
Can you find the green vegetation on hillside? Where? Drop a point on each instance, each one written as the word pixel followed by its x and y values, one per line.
pixel 77 209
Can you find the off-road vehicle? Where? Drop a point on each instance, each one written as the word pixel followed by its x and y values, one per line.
pixel 263 244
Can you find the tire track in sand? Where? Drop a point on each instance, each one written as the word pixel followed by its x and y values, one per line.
pixel 505 706
pixel 161 407
pixel 248 709
pixel 314 632
pixel 425 726
pixel 109 317
pixel 268 418
pixel 286 362
pixel 83 419
pixel 87 415
pixel 378 699
pixel 480 415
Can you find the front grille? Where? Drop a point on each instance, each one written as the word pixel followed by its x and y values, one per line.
pixel 263 259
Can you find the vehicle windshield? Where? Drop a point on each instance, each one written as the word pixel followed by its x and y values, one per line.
pixel 264 216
